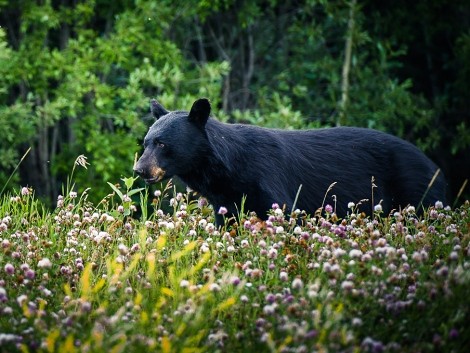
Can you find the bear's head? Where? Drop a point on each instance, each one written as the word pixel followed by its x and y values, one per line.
pixel 175 144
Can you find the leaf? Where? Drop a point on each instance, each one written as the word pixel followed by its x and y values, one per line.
pixel 129 182
pixel 134 191
pixel 116 190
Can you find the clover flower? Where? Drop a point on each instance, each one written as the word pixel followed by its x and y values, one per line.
pixel 9 269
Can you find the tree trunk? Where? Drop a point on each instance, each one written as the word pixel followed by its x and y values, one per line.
pixel 343 105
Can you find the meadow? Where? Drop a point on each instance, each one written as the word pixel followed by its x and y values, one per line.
pixel 117 277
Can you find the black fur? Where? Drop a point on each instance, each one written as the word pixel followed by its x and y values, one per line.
pixel 224 162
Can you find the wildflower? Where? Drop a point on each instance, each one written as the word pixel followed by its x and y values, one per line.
pixel 214 287
pixel 202 202
pixel 29 274
pixel 85 306
pixel 230 248
pixel 269 309
pixel 297 230
pixel 297 283
pixel 123 250
pixel 351 205
pixel 81 161
pixel 3 295
pixel 25 191
pixel 3 227
pixel 410 209
pixel 157 193
pixel 202 223
pixel 357 321
pixel 279 230
pixel 21 299
pixel 347 285
pixel 222 210
pixel 283 276
pixel 355 253
pixel 9 269
pixel 235 281
pixel 439 204
pixel 454 256
pixel 120 209
pixel 73 194
pixel 272 253
pixel 244 243
pixel 135 247
pixel 328 209
pixel 244 299
pixel 453 333
pixel 378 208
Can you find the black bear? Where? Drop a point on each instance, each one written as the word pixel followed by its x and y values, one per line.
pixel 225 162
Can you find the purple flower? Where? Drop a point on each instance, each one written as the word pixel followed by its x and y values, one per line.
pixel 9 269
pixel 328 208
pixel 29 274
pixel 453 334
pixel 222 210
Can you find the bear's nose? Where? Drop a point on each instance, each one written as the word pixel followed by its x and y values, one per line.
pixel 139 171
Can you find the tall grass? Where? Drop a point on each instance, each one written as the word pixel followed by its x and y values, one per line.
pixel 94 278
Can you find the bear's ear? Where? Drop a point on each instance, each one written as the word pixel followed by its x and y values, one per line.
pixel 157 109
pixel 200 111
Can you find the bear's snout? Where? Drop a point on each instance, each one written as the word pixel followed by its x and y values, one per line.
pixel 151 174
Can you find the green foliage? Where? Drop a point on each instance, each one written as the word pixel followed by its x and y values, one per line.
pixel 79 75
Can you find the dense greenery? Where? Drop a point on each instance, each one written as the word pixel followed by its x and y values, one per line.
pixel 76 76
pixel 95 278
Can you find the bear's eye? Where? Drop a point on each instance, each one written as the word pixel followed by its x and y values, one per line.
pixel 159 144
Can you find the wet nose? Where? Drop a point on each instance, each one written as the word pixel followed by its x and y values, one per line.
pixel 138 171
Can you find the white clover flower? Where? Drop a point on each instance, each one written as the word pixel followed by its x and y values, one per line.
pixel 244 243
pixel 44 263
pixel 21 299
pixel 351 205
pixel 338 252
pixel 439 204
pixel 269 309
pixel 214 287
pixel 297 283
pixel 202 223
pixel 272 253
pixel 184 283
pixel 283 276
pixel 123 250
pixel 355 253
pixel 347 285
